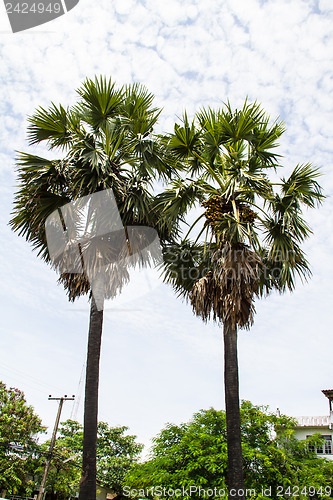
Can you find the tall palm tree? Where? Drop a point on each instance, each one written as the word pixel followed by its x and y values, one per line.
pixel 250 233
pixel 106 143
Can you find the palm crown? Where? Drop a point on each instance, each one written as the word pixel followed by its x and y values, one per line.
pixel 249 241
pixel 106 143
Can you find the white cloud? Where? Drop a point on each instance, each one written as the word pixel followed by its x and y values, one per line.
pixel 325 6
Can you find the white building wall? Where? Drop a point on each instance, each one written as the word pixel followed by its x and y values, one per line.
pixel 308 426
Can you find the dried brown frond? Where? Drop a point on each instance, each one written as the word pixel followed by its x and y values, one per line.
pixel 74 284
pixel 115 277
pixel 205 298
pixel 228 291
pixel 111 255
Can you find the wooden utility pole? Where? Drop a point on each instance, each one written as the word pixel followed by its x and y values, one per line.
pixel 53 440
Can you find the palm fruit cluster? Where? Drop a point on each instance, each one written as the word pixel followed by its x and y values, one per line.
pixel 217 206
pixel 247 215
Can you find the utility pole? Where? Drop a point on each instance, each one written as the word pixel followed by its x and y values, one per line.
pixel 53 439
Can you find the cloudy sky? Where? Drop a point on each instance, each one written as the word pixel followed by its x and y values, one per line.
pixel 160 363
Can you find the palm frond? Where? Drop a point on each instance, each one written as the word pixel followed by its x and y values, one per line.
pixel 226 293
pixel 185 140
pixel 303 186
pixel 108 142
pixel 100 101
pixel 284 258
pixel 237 125
pixel 52 125
pixel 264 139
pixel 183 264
pixel 138 115
pixel 211 133
pixel 176 201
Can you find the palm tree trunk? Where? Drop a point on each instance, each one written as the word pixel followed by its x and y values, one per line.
pixel 88 477
pixel 231 388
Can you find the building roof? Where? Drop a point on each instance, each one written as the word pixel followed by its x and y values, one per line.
pixel 319 421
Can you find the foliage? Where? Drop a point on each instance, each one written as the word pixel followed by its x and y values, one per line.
pixel 195 454
pixel 19 426
pixel 250 226
pixel 116 454
pixel 274 458
pixel 65 471
pixel 22 459
pixel 104 141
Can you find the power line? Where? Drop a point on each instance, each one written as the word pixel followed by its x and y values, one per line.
pixel 24 376
pixel 76 403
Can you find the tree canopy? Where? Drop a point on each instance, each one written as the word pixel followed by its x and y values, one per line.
pixel 117 452
pixel 22 458
pixel 195 454
pixel 104 142
pixel 250 227
pixel 19 429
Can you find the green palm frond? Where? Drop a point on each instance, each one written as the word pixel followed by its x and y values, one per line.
pixel 288 215
pixel 30 223
pixel 136 203
pixel 33 166
pixel 107 142
pixel 183 264
pixel 231 228
pixel 303 186
pixel 237 125
pixel 185 141
pixel 284 257
pixel 100 101
pixel 52 125
pixel 207 189
pixel 211 133
pixel 281 274
pixel 246 178
pixel 138 115
pixel 228 154
pixel 264 139
pixel 137 96
pixel 176 201
pixel 236 152
pixel 154 160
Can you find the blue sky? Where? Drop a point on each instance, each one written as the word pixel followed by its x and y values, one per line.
pixel 159 362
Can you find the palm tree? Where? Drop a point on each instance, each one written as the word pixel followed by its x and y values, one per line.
pixel 107 145
pixel 250 233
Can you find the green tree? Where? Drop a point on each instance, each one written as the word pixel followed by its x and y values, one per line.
pixel 65 471
pixel 117 452
pixel 19 428
pixel 251 224
pixel 194 455
pixel 106 142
